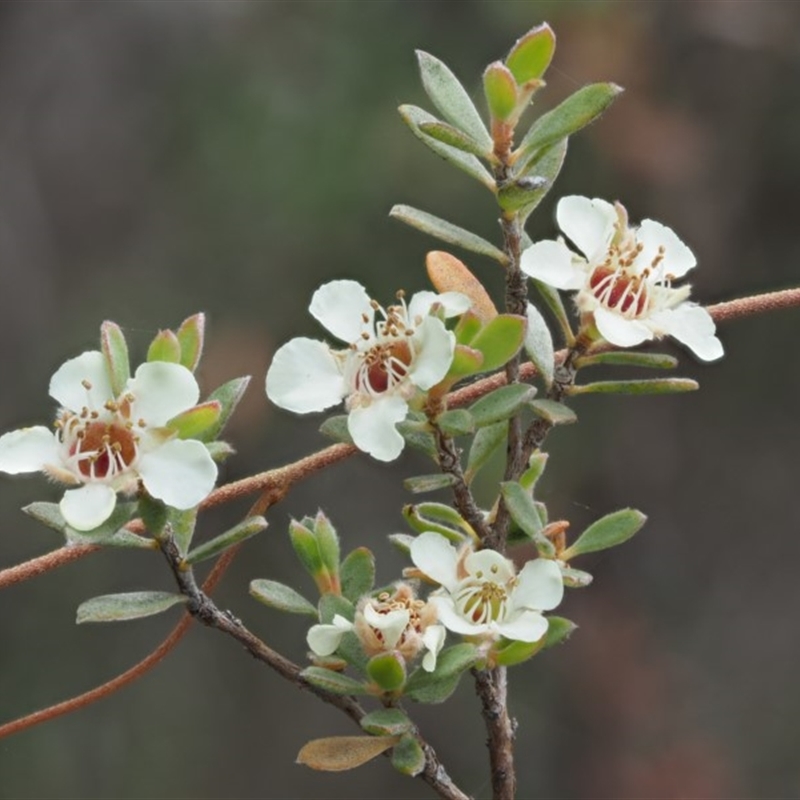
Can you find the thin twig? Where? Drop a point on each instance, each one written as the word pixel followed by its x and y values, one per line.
pixel 203 608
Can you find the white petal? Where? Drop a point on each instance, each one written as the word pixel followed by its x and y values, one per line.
pixel 162 390
pixel 340 307
pixel 527 626
pixel 86 508
pixel 489 565
pixel 433 639
pixel 304 376
pixel 678 258
pixel 454 621
pixel 373 427
pixel 436 347
pixel 436 558
pixel 693 326
pixel 588 223
pixel 540 586
pixel 324 639
pixel 620 331
pixel 68 384
pixel 391 625
pixel 28 450
pixel 453 303
pixel 553 263
pixel 179 472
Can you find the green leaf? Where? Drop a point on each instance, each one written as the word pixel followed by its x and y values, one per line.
pixel 197 421
pixel 332 681
pixel 182 525
pixel 486 441
pixel 439 518
pixel 467 328
pixel 386 722
pixel 545 167
pixel 500 89
pixel 408 757
pixel 516 652
pixel 328 542
pixel 219 544
pixel 536 464
pixel 332 604
pixel 129 605
pixel 524 512
pixel 115 350
pixel 358 573
pixel 447 232
pixel 466 361
pixel 643 386
pixel 228 396
pixel 555 413
pixel 625 358
pixel 451 99
pixel 500 340
pixel 553 301
pixel 428 483
pixel 501 403
pixel 531 55
pixel 339 753
pixel 577 111
pixel 336 428
pixel 559 630
pixel 165 347
pixel 305 545
pixel 436 686
pixel 388 671
pixel 517 193
pixel 351 650
pixel 456 422
pixel 284 598
pixel 191 335
pixel 609 531
pixel 415 117
pixel 539 345
pixel 417 437
pixel 453 137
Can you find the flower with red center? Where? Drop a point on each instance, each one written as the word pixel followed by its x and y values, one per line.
pixel 392 356
pixel 624 277
pixel 108 444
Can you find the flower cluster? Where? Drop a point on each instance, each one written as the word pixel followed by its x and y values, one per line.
pixel 624 277
pixel 108 444
pixel 392 355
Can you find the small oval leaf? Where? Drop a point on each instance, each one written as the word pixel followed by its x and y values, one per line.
pixel 539 344
pixel 219 544
pixel 408 757
pixel 386 722
pixel 125 606
pixel 501 403
pixel 449 274
pixel 609 531
pixel 500 340
pixel 339 753
pixel 284 598
pixel 332 681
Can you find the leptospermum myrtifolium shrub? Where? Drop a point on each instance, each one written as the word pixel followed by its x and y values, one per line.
pixel 445 372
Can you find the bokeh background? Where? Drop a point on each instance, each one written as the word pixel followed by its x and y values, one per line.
pixel 159 158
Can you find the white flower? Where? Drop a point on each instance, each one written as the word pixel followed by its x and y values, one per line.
pixel 387 361
pixel 391 622
pixel 109 443
pixel 481 593
pixel 624 277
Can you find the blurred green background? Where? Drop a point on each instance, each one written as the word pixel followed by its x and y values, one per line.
pixel 159 158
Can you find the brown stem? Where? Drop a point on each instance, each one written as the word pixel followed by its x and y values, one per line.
pixel 450 464
pixel 492 688
pixel 202 607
